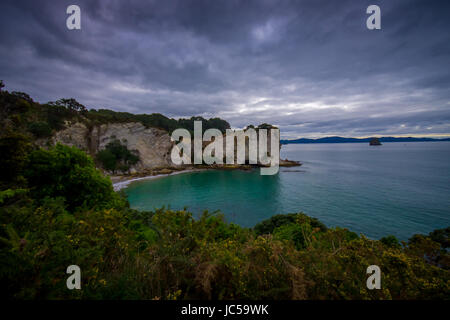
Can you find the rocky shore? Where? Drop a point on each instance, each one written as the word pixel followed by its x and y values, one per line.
pixel 153 146
pixel 121 181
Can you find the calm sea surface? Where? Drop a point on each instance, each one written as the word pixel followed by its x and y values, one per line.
pixel 397 188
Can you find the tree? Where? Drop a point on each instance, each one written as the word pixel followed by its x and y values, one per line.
pixel 14 148
pixel 70 173
pixel 70 104
pixel 107 159
pixel 22 95
pixel 56 115
pixel 40 129
pixel 116 156
pixel 390 241
pixel 2 85
pixel 218 123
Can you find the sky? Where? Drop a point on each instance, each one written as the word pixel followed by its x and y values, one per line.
pixel 310 67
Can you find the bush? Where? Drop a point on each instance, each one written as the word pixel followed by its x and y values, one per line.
pixel 296 233
pixel 390 241
pixel 166 254
pixel 71 104
pixel 40 129
pixel 441 236
pixel 268 226
pixel 70 173
pixel 116 156
pixel 39 251
pixel 56 210
pixel 56 115
pixel 14 149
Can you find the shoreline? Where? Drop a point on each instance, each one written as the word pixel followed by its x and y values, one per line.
pixel 121 182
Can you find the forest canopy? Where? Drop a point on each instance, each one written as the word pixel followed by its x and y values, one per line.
pixel 19 110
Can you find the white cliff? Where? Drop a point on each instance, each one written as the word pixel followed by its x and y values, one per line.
pixel 152 145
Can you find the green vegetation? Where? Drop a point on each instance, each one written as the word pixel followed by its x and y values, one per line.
pixel 35 121
pixel 57 209
pixel 69 173
pixel 18 111
pixel 116 156
pixel 279 220
pixel 155 120
pixel 40 129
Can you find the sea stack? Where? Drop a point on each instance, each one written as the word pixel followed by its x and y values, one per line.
pixel 375 142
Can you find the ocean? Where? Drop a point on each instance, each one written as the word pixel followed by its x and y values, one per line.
pixel 395 189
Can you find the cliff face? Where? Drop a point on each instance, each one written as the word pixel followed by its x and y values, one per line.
pixel 153 145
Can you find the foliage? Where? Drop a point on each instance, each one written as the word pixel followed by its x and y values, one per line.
pixel 11 193
pixel 71 104
pixel 56 115
pixel 156 120
pixel 299 234
pixel 57 209
pixel 441 236
pixel 39 252
pixel 390 241
pixel 166 254
pixel 68 172
pixel 14 148
pixel 269 225
pixel 116 156
pixel 20 113
pixel 23 96
pixel 40 129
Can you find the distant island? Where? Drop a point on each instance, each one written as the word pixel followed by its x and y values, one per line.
pixel 375 142
pixel 336 139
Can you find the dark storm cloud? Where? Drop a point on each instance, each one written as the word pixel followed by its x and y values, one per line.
pixel 311 67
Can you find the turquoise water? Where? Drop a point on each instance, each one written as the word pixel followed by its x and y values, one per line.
pixel 398 188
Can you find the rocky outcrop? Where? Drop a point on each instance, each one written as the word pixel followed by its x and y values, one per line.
pixel 74 135
pixel 375 142
pixel 152 145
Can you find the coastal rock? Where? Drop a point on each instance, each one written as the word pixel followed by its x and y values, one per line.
pixel 74 135
pixel 289 163
pixel 153 145
pixel 375 142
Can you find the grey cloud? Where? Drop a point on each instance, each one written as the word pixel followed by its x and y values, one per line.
pixel 309 66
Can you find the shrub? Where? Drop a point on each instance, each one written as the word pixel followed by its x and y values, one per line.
pixel 268 226
pixel 14 149
pixel 40 129
pixel 116 156
pixel 68 172
pixel 390 241
pixel 296 233
pixel 56 115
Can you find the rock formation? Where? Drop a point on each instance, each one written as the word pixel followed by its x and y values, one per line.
pixel 153 145
pixel 375 142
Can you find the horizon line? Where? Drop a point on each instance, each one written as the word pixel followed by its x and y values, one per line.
pixel 431 135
